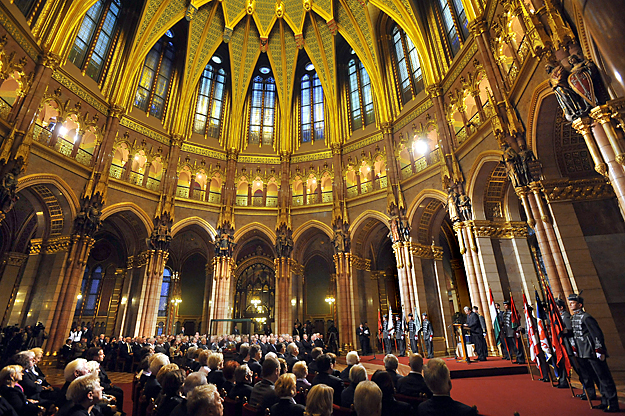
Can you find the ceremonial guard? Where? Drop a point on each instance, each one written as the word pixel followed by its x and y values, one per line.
pixel 386 338
pixel 413 333
pixel 399 336
pixel 509 332
pixel 589 348
pixel 428 335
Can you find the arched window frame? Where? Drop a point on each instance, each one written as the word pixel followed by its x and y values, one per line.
pixel 209 109
pixel 165 292
pixel 360 97
pixel 312 118
pixel 262 117
pixel 453 21
pixel 155 82
pixel 89 293
pixel 408 66
pixel 96 34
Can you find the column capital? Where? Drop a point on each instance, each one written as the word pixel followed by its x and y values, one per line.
pixel 177 139
pixel 232 154
pixel 50 60
pixel 336 148
pixel 387 127
pixel 434 90
pixel 582 125
pixel 116 111
pixel 603 114
pixel 478 26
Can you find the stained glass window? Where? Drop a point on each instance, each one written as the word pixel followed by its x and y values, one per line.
pixel 165 292
pixel 311 107
pixel 360 97
pixel 262 111
pixel 408 65
pixel 155 78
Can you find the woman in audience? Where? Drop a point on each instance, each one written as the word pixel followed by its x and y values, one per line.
pixel 160 376
pixel 228 371
pixel 216 376
pixel 171 391
pixel 34 386
pixel 205 401
pixel 319 400
pixel 10 376
pixel 390 406
pixel 368 399
pixel 301 371
pixel 335 372
pixel 285 390
pixel 203 360
pixel 152 387
pixel 356 374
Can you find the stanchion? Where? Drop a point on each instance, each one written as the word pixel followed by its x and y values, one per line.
pixel 527 357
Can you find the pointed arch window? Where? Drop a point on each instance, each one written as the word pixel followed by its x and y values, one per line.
pixel 455 24
pixel 165 292
pixel 209 109
pixel 360 97
pixel 95 36
pixel 410 76
pixel 262 111
pixel 311 106
pixel 155 78
pixel 90 289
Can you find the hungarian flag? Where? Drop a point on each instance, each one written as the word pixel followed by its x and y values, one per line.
pixel 531 333
pixel 557 327
pixel 494 317
pixel 390 325
pixel 542 333
pixel 515 319
pixel 379 324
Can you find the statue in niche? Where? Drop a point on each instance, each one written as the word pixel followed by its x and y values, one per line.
pixel 464 204
pixel 340 240
pixel 571 103
pixel 517 165
pixel 452 205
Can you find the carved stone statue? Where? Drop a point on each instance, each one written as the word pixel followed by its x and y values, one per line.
pixel 284 242
pixel 452 205
pixel 581 79
pixel 572 104
pixel 515 166
pixel 340 240
pixel 88 219
pixel 161 235
pixel 8 191
pixel 464 204
pixel 224 243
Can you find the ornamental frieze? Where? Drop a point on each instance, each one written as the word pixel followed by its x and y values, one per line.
pixel 578 190
pixel 501 230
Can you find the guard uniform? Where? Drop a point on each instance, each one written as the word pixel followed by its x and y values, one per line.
pixel 589 345
pixel 386 337
pixel 399 338
pixel 413 333
pixel 428 335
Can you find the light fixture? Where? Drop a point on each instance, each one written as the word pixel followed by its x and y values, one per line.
pixel 137 157
pixel 309 66
pixel 79 296
pixel 330 300
pixel 420 146
pixel 199 176
pixel 216 59
pixel 264 70
pixel 62 131
pixel 255 302
pixel 124 300
pixel 293 302
pixel 314 180
pixel 368 169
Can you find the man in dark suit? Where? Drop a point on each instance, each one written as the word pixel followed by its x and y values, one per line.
pixel 308 347
pixel 264 394
pixel 125 351
pixel 436 375
pixel 253 363
pixel 324 366
pixel 477 336
pixel 243 383
pixel 413 384
pixel 390 365
pixel 97 354
pixel 292 352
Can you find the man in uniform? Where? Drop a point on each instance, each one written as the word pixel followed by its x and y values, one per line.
pixel 566 342
pixel 589 347
pixel 477 336
pixel 413 333
pixel 399 336
pixel 428 335
pixel 386 338
pixel 508 330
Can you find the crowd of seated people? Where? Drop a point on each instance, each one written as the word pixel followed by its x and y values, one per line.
pixel 193 375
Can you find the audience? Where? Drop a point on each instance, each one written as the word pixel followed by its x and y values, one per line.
pixel 97 354
pixel 324 376
pixel 216 375
pixel 413 384
pixel 368 399
pixel 390 364
pixel 319 400
pixel 263 394
pixel 300 369
pixel 228 372
pixel 357 374
pixel 10 376
pixel 436 375
pixel 152 387
pixel 84 393
pixel 192 381
pixel 171 392
pixel 285 390
pixel 351 359
pixel 390 406
pixel 205 401
pixel 243 383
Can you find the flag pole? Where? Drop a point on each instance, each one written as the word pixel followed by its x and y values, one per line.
pixel 527 356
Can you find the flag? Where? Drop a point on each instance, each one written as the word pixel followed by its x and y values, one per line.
pixel 531 333
pixel 417 321
pixel 542 333
pixel 379 324
pixel 494 317
pixel 557 327
pixel 515 319
pixel 389 324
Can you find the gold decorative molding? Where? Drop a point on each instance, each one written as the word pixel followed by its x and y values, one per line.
pixel 426 252
pixel 14 259
pixel 296 268
pixel 378 274
pixel 500 230
pixel 577 190
pixel 50 246
pixel 361 264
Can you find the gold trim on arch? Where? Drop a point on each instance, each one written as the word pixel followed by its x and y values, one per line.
pixel 51 179
pixel 132 207
pixel 195 220
pixel 311 224
pixel 422 196
pixel 255 226
pixel 368 214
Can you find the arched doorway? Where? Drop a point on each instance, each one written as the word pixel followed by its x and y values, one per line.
pixel 255 294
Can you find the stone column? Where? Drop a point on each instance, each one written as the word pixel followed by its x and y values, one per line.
pixel 344 300
pixel 146 173
pixel 208 286
pixel 152 282
pixel 12 269
pixel 220 297
pixel 446 312
pixel 282 308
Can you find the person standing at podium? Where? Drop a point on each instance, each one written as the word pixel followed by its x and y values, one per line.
pixel 477 336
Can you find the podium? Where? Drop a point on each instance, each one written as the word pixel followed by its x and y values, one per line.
pixel 462 352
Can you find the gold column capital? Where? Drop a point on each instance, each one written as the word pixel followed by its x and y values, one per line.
pixel 478 26
pixel 434 90
pixel 582 125
pixel 603 114
pixel 50 60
